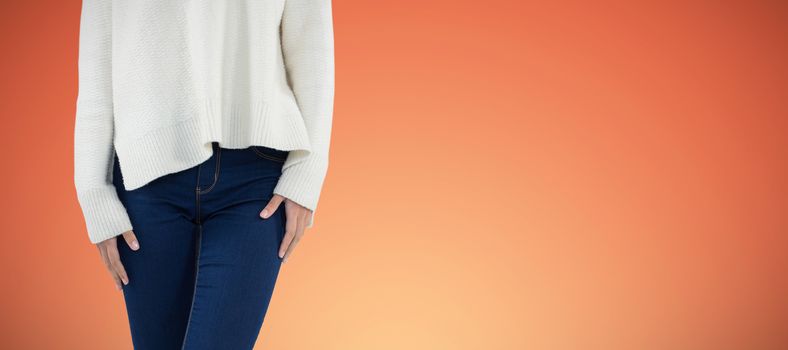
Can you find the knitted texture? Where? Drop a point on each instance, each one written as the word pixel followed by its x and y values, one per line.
pixel 159 81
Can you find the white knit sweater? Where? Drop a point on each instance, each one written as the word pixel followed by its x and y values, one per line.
pixel 160 80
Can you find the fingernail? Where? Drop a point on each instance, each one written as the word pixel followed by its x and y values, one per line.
pixel 284 260
pixel 281 254
pixel 264 214
pixel 118 286
pixel 135 245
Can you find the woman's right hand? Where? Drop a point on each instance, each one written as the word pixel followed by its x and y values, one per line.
pixel 108 249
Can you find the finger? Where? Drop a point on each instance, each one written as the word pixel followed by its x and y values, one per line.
pixel 103 253
pixel 299 232
pixel 117 266
pixel 131 240
pixel 273 204
pixel 110 269
pixel 102 247
pixel 308 219
pixel 290 231
pixel 118 283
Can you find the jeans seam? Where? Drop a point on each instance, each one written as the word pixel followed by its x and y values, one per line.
pixel 197 196
pixel 196 275
pixel 215 173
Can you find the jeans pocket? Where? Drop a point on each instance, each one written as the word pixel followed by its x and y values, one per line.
pixel 270 153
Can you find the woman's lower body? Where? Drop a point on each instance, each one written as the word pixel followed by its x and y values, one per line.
pixel 207 264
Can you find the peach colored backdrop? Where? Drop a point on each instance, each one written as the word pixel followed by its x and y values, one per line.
pixel 504 175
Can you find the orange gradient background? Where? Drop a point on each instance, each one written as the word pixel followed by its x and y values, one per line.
pixel 504 175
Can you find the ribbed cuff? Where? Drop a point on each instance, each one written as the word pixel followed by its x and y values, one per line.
pixel 303 181
pixel 105 216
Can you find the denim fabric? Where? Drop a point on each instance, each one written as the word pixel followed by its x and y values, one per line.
pixel 207 264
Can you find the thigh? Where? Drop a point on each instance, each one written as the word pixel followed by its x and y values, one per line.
pixel 238 266
pixel 161 282
pixel 161 273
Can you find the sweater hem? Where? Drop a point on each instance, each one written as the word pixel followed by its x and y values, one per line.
pixel 187 143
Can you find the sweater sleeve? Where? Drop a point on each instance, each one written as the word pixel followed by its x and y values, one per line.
pixel 307 38
pixel 94 152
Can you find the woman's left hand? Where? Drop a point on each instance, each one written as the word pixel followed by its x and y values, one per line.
pixel 297 219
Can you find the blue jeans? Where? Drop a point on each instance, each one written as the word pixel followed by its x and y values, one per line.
pixel 207 264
